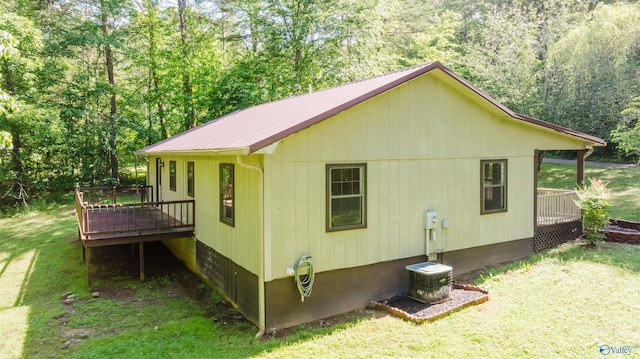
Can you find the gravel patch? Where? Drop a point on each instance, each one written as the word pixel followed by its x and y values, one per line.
pixel 461 296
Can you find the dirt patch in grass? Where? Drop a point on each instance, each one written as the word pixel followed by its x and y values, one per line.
pixel 115 268
pixel 115 273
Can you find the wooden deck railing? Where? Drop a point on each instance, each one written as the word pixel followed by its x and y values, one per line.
pixel 139 217
pixel 557 206
pixel 113 195
pixel 81 214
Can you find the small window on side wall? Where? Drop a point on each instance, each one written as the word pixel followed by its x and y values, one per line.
pixel 190 178
pixel 493 186
pixel 346 196
pixel 172 175
pixel 227 194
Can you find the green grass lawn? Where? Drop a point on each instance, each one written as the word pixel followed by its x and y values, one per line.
pixel 565 302
pixel 623 182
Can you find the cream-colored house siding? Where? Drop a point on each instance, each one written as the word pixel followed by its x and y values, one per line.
pixel 238 243
pixel 422 142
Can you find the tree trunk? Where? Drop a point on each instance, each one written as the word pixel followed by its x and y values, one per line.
pixel 189 121
pixel 155 80
pixel 113 109
pixel 16 158
pixel 161 110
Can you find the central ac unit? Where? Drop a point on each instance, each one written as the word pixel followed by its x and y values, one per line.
pixel 429 282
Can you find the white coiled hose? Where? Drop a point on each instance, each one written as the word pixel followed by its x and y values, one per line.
pixel 304 276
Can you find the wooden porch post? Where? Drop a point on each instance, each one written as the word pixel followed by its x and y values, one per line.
pixel 87 257
pixel 580 161
pixel 536 155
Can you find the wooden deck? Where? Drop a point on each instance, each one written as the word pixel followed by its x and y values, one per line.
pixel 105 224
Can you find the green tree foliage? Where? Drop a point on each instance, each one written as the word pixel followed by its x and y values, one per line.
pixel 594 69
pixel 425 32
pixel 20 118
pixel 7 50
pixel 508 54
pixel 627 132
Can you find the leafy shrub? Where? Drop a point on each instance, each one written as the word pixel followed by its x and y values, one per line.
pixel 594 201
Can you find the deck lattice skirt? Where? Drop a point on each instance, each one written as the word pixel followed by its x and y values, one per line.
pixel 552 235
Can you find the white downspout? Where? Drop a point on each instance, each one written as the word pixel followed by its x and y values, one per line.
pixel 588 153
pixel 261 299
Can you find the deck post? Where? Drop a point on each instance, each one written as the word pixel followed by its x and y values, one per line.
pixel 87 257
pixel 580 172
pixel 536 169
pixel 141 260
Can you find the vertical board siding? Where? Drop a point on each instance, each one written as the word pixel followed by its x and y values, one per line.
pixel 422 143
pixel 237 243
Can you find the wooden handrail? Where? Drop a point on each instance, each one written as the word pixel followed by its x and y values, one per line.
pixel 80 211
pixel 138 217
pixel 104 195
pixel 556 206
pixel 543 191
pixel 116 218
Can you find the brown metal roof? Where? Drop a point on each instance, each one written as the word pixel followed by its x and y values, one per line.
pixel 249 130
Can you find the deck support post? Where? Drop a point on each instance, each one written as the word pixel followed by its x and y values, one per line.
pixel 87 258
pixel 141 260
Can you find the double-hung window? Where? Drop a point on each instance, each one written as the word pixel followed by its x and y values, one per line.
pixel 346 196
pixel 493 186
pixel 227 195
pixel 190 178
pixel 172 175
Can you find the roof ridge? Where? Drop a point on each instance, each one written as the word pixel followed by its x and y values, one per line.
pixel 392 73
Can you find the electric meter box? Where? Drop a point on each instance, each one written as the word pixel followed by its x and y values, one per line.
pixel 429 282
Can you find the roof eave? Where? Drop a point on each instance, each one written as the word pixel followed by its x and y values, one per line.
pixel 208 152
pixel 589 140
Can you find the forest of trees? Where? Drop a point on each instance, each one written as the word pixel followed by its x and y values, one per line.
pixel 85 83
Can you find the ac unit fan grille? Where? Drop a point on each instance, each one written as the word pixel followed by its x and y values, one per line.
pixel 429 282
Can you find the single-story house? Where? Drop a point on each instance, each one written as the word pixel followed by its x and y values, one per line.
pixel 359 181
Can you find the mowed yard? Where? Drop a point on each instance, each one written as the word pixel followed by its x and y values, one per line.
pixel 571 301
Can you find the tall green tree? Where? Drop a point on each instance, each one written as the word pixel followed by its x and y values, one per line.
pixel 149 33
pixel 7 50
pixel 185 46
pixel 107 10
pixel 504 59
pixel 594 69
pixel 18 67
pixel 627 132
pixel 91 42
